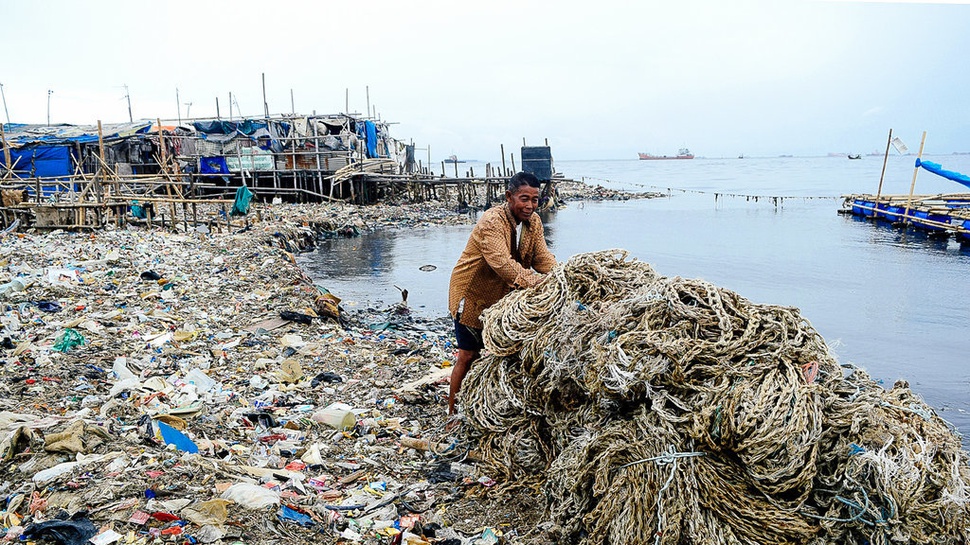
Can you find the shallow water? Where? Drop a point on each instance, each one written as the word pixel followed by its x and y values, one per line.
pixel 891 302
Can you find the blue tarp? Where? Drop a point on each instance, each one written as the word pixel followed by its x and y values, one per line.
pixel 246 127
pixel 240 207
pixel 371 135
pixel 938 169
pixel 42 161
pixel 213 165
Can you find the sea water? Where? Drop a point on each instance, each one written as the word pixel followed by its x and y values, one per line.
pixel 892 302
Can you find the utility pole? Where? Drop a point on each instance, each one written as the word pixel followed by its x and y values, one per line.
pixel 292 104
pixel 4 103
pixel 128 96
pixel 178 105
pixel 49 93
pixel 188 110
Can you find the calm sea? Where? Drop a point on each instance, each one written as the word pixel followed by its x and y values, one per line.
pixel 895 303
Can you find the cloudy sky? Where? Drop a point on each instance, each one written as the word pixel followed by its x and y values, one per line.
pixel 599 79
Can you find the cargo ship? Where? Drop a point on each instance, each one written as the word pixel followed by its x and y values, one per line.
pixel 684 153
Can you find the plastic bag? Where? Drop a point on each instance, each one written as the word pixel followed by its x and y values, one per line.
pixel 251 496
pixel 68 339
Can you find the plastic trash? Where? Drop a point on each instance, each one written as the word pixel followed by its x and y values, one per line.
pixel 212 512
pixel 202 381
pixel 48 306
pixel 76 531
pixel 172 436
pixel 296 317
pixel 62 277
pixel 293 515
pixel 68 339
pixel 150 276
pixel 251 496
pixel 120 368
pixel 327 377
pixel 335 418
pixel 14 285
pixel 106 537
pixel 54 472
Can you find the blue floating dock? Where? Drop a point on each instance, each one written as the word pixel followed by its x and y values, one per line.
pixel 943 214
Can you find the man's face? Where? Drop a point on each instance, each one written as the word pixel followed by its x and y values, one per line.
pixel 523 202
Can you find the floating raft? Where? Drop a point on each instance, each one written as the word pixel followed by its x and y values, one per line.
pixel 941 214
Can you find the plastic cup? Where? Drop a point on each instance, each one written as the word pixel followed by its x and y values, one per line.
pixel 335 418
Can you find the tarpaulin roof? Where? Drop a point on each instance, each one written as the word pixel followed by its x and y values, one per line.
pixel 21 134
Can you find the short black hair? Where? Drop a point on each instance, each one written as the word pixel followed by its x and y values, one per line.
pixel 522 179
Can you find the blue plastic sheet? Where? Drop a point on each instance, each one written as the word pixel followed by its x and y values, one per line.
pixel 42 161
pixel 371 135
pixel 76 531
pixel 213 165
pixel 172 436
pixel 938 169
pixel 240 207
pixel 293 515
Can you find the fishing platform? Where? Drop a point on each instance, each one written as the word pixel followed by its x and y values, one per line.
pixel 941 214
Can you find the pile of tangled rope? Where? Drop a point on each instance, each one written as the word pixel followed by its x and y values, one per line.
pixel 667 410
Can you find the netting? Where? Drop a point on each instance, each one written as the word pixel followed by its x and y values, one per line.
pixel 668 410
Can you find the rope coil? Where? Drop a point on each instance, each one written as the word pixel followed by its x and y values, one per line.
pixel 605 364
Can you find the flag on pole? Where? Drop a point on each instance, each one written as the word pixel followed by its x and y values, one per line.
pixel 899 145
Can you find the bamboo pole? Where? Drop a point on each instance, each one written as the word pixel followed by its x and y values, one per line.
pixel 912 186
pixel 163 153
pixel 6 149
pixel 503 159
pixel 99 179
pixel 885 160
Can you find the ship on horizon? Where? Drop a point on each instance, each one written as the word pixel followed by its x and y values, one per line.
pixel 683 153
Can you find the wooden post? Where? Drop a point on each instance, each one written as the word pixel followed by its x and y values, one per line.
pixel 512 156
pixel 912 186
pixel 456 167
pixel 6 149
pixel 882 176
pixel 100 177
pixel 503 159
pixel 163 157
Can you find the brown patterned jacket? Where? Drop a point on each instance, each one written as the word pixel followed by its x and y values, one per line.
pixel 492 264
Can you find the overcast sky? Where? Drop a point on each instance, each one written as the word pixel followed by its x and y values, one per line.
pixel 599 79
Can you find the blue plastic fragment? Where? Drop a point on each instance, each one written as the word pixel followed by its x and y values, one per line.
pixel 293 515
pixel 172 436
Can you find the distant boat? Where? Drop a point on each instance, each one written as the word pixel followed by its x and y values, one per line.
pixel 741 156
pixel 453 159
pixel 855 156
pixel 683 153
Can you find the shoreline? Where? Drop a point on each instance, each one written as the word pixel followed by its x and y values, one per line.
pixel 121 329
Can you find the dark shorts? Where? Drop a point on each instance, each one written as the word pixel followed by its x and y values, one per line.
pixel 468 338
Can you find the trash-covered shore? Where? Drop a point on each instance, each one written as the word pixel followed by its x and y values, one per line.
pixel 197 387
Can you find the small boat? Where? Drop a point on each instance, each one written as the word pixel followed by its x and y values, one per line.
pixel 683 153
pixel 855 156
pixel 453 159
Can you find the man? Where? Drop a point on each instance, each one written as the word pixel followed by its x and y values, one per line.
pixel 506 250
